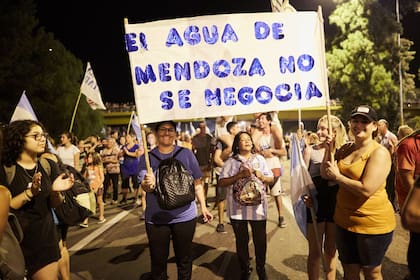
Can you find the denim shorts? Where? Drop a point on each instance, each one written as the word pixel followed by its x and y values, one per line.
pixel 364 249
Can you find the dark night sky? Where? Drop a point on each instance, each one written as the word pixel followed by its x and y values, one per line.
pixel 93 30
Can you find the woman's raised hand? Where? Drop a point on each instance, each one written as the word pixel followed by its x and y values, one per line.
pixel 63 182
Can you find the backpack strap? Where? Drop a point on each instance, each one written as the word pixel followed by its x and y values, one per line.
pixel 174 155
pixel 240 160
pixel 10 173
pixel 236 157
pixel 11 170
pixel 177 152
pixel 45 165
pixel 155 156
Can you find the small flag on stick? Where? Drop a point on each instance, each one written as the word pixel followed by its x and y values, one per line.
pixel 136 127
pixel 90 89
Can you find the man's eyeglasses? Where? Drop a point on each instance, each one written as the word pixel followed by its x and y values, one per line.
pixel 166 130
pixel 38 136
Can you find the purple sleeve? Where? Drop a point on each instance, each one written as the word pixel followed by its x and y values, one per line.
pixel 190 162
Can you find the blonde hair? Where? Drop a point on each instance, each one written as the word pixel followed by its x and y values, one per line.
pixel 338 128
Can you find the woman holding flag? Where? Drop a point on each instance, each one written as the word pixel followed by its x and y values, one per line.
pixel 324 235
pixel 177 224
pixel 131 152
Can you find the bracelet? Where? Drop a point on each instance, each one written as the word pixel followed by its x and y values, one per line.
pixel 27 196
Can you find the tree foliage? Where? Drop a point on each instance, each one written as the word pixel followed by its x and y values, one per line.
pixel 32 60
pixel 364 56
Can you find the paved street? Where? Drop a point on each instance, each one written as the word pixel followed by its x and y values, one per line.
pixel 118 249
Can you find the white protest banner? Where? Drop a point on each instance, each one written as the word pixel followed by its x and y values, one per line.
pixel 230 64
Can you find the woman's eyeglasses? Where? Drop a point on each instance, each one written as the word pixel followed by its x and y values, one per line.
pixel 38 136
pixel 166 130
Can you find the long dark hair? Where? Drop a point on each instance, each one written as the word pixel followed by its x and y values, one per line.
pixel 73 139
pixel 96 158
pixel 235 145
pixel 14 140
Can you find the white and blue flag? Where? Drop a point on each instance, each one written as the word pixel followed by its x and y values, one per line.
pixel 24 111
pixel 90 89
pixel 300 184
pixel 136 127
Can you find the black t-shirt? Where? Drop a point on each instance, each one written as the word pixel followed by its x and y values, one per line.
pixel 40 241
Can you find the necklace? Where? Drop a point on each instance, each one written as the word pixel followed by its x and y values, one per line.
pixel 27 173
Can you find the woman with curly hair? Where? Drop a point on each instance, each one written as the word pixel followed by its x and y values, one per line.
pixel 34 191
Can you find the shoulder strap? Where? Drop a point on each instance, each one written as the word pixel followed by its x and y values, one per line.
pixel 237 158
pixel 174 156
pixel 177 152
pixel 45 165
pixel 366 155
pixel 11 170
pixel 155 156
pixel 10 173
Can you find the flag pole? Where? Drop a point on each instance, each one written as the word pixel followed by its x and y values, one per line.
pixel 316 233
pixel 328 105
pixel 129 122
pixel 146 151
pixel 324 72
pixel 143 133
pixel 74 111
pixel 285 6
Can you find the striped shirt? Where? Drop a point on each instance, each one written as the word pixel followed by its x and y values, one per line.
pixel 234 209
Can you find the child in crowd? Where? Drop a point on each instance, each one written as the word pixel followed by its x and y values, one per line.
pixel 95 175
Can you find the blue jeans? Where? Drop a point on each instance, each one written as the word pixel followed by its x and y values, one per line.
pixel 159 239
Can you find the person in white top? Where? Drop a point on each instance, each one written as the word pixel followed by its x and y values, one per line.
pixel 221 123
pixel 67 151
pixel 387 139
pixel 390 141
pixel 268 141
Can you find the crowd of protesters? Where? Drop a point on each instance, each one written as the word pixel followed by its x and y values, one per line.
pixel 372 167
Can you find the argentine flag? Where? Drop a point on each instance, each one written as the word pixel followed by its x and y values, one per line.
pixel 24 111
pixel 136 127
pixel 300 184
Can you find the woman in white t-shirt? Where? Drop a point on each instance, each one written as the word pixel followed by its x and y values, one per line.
pixel 67 151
